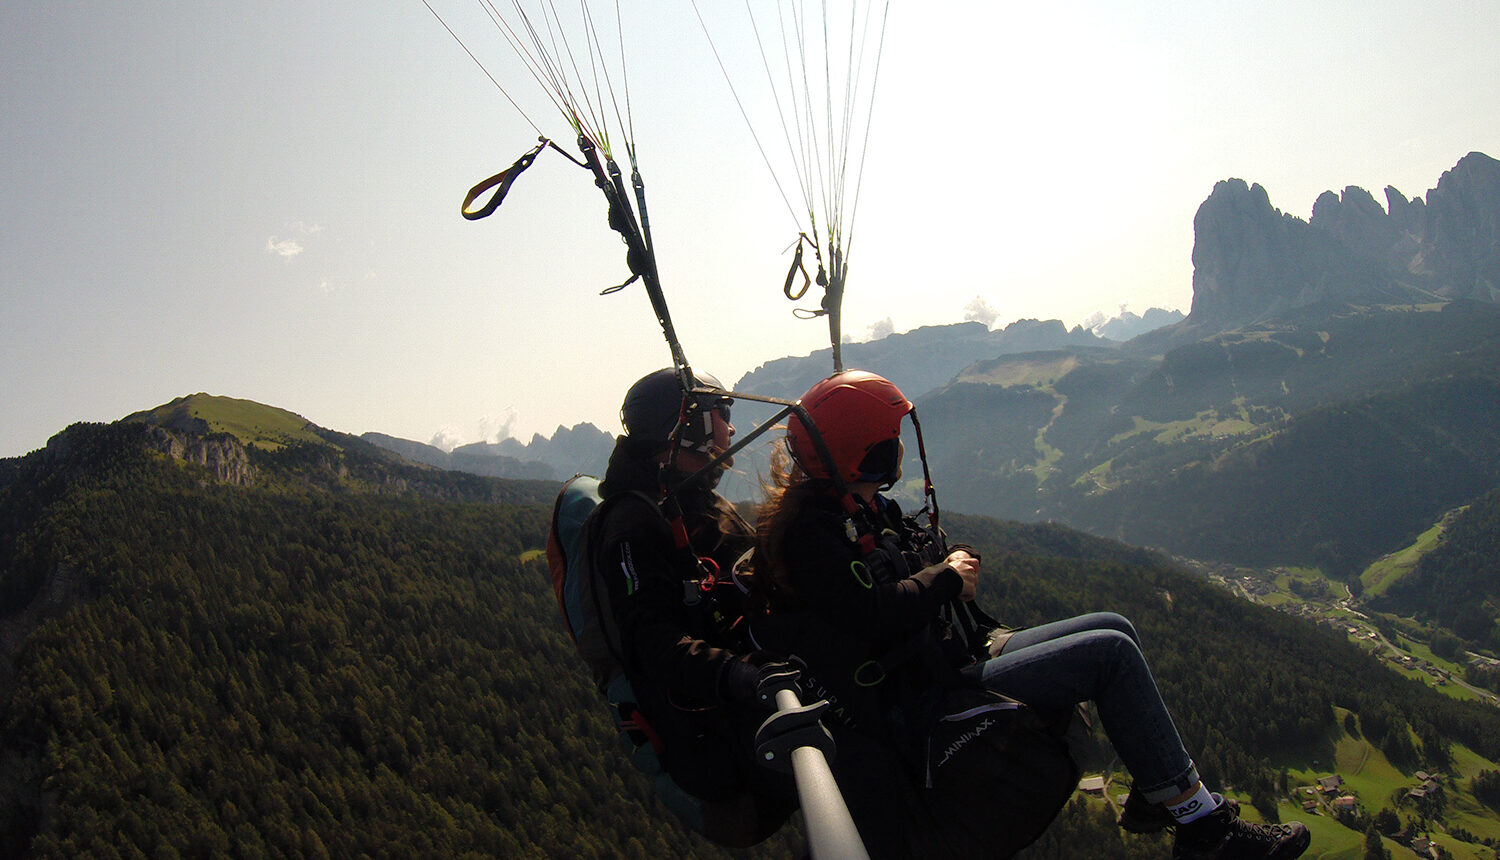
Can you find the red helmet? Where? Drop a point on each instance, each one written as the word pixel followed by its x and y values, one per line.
pixel 859 416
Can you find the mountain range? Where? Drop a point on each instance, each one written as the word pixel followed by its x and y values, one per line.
pixel 919 360
pixel 1330 396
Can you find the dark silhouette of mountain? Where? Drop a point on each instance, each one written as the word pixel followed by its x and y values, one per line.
pixel 581 448
pixel 1128 326
pixel 1253 263
pixel 917 361
pixel 484 458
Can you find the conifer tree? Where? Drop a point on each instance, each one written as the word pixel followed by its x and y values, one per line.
pixel 1374 849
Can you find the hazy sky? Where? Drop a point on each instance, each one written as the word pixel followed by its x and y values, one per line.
pixel 260 199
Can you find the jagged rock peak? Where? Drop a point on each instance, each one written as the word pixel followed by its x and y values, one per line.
pixel 1475 167
pixel 1251 261
pixel 1236 195
pixel 1357 220
pixel 1241 253
pixel 1339 205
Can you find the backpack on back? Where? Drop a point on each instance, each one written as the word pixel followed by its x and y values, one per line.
pixel 581 599
pixel 583 603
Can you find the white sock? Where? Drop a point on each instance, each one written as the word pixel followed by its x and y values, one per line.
pixel 1195 807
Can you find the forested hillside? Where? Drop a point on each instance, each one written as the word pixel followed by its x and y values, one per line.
pixel 1457 584
pixel 1327 437
pixel 1247 685
pixel 1332 487
pixel 288 671
pixel 341 654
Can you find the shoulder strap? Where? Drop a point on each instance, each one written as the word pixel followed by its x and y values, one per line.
pixel 595 599
pixel 598 596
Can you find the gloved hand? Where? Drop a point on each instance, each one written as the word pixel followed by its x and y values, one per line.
pixel 748 684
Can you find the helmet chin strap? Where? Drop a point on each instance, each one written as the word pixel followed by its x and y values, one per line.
pixel 929 492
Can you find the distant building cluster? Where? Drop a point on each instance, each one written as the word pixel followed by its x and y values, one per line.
pixel 1426 784
pixel 1256 588
pixel 1329 792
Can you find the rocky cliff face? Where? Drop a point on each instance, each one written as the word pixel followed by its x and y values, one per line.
pixel 1459 229
pixel 1251 261
pixel 222 455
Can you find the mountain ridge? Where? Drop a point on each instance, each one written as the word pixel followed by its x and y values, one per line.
pixel 919 359
pixel 252 423
pixel 1094 434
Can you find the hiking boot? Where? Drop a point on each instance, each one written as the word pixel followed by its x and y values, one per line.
pixel 1223 835
pixel 1140 815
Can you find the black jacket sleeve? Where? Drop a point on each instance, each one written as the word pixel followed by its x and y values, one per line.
pixel 645 573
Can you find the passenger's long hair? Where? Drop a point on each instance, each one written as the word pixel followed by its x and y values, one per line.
pixel 787 494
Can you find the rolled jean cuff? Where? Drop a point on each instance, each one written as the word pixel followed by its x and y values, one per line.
pixel 1163 792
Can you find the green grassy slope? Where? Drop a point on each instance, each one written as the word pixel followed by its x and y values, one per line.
pixel 253 424
pixel 1392 567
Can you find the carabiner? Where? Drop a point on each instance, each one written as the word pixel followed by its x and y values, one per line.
pixel 861 573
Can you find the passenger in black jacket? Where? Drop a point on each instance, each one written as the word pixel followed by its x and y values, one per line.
pixel 868 588
pixel 700 694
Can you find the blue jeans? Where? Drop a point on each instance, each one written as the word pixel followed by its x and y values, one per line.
pixel 1098 658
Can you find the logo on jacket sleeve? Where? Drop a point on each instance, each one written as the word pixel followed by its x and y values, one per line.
pixel 627 566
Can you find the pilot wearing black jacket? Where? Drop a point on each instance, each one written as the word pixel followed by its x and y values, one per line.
pixel 700 694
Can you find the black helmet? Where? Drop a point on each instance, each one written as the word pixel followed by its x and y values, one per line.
pixel 654 404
